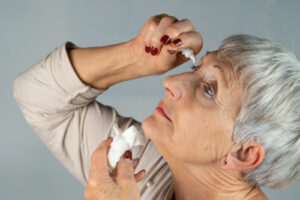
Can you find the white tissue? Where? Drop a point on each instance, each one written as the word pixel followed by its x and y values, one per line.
pixel 189 54
pixel 131 139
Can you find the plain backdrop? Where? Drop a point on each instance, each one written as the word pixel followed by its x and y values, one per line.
pixel 30 29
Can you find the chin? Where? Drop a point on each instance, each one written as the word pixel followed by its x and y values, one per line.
pixel 153 130
pixel 148 126
pixel 157 129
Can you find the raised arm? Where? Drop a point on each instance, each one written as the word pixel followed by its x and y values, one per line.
pixel 57 95
pixel 152 52
pixel 102 67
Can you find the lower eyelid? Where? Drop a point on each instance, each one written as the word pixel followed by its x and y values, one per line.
pixel 195 68
pixel 210 96
pixel 204 87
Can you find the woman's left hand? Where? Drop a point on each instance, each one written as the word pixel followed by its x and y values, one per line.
pixel 102 186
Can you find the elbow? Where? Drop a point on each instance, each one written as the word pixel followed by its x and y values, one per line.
pixel 17 88
pixel 20 90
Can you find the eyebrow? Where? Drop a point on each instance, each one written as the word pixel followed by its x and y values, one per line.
pixel 221 70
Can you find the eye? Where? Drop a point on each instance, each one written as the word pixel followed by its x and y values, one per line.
pixel 208 90
pixel 195 68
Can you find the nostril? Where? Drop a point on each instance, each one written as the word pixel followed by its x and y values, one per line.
pixel 172 88
pixel 170 91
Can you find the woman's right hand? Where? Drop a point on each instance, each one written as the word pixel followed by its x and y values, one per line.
pixel 155 47
pixel 102 67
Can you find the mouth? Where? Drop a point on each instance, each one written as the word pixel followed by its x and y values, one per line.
pixel 160 109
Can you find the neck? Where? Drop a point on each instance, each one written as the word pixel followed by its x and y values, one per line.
pixel 211 182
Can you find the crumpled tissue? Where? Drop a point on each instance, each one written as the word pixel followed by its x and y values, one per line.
pixel 187 52
pixel 131 139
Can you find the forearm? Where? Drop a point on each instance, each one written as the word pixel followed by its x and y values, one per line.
pixel 102 67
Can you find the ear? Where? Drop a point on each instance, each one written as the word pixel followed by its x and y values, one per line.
pixel 244 157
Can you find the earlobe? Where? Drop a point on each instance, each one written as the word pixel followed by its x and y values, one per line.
pixel 244 157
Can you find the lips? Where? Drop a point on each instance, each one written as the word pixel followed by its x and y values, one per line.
pixel 160 109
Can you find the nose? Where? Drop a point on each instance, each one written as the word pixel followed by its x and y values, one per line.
pixel 174 86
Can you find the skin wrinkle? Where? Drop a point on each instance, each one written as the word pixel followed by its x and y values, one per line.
pixel 195 151
pixel 228 75
pixel 226 182
pixel 234 75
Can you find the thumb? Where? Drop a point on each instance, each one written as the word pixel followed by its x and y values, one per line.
pixel 124 169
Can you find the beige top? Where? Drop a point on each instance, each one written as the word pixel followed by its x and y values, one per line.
pixel 65 115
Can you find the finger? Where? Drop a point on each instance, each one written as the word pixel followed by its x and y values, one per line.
pixel 157 35
pixel 124 171
pixel 178 28
pixel 155 18
pixel 149 28
pixel 192 40
pixel 169 54
pixel 135 162
pixel 99 158
pixel 140 175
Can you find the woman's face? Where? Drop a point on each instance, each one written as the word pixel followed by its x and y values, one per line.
pixel 194 121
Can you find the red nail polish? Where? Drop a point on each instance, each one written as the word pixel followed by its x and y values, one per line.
pixel 177 42
pixel 147 49
pixel 172 51
pixel 128 154
pixel 165 39
pixel 154 51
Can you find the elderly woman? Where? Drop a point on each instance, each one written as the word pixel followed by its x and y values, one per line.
pixel 220 132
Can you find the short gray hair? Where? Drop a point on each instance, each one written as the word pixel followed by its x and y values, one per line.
pixel 270 112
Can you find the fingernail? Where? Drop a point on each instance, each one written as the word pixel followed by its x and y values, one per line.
pixel 128 154
pixel 154 51
pixel 172 51
pixel 177 42
pixel 165 39
pixel 134 162
pixel 147 49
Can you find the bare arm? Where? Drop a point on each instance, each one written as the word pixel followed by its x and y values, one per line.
pixel 102 67
pixel 62 110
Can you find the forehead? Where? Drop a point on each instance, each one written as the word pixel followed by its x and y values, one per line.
pixel 228 82
pixel 223 66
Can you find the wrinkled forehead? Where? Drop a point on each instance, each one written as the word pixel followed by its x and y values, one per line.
pixel 223 64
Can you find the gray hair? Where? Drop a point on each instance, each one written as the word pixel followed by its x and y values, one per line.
pixel 270 112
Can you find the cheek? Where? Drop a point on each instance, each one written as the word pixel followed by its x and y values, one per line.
pixel 198 134
pixel 193 119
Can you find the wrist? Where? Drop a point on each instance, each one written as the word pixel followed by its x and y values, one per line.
pixel 117 63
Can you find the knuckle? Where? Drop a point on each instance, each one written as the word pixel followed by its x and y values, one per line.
pixel 186 24
pixel 187 21
pixel 152 26
pixel 150 19
pixel 172 31
pixel 155 40
pixel 167 19
pixel 189 24
pixel 158 18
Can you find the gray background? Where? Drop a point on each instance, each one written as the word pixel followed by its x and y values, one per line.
pixel 31 29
